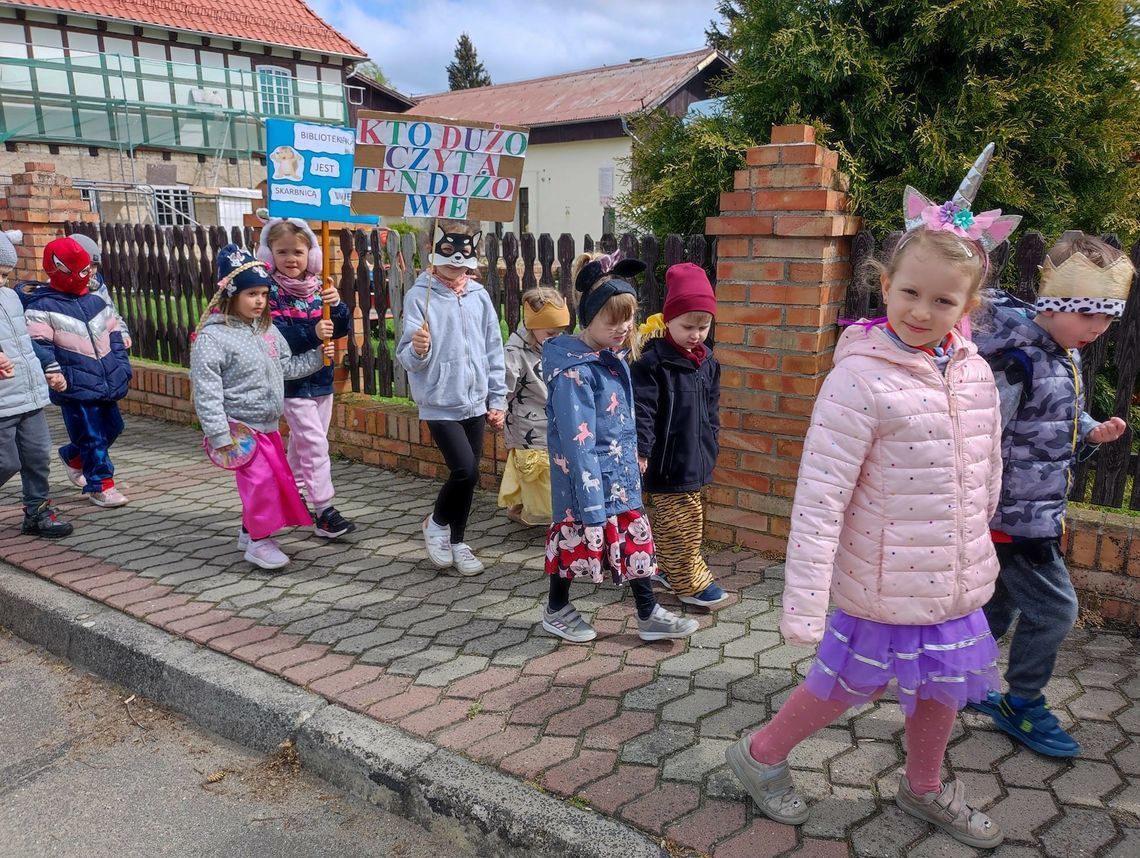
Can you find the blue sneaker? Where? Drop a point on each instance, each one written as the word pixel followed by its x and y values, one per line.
pixel 1036 727
pixel 711 595
pixel 989 706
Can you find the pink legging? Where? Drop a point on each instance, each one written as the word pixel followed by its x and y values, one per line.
pixel 804 714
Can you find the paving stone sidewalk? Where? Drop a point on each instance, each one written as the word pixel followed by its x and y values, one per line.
pixel 635 731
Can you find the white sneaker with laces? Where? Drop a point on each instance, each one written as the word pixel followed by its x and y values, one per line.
pixel 437 541
pixel 108 497
pixel 466 563
pixel 266 554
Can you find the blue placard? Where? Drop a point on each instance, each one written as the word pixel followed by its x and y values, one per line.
pixel 310 171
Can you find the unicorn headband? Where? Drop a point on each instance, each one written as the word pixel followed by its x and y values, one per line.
pixel 986 229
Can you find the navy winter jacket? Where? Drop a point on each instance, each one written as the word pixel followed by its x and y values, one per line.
pixel 297 319
pixel 80 335
pixel 677 405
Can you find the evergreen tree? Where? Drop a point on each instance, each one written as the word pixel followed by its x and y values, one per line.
pixel 910 90
pixel 372 71
pixel 466 71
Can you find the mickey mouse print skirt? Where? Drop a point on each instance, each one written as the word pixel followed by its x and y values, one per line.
pixel 622 546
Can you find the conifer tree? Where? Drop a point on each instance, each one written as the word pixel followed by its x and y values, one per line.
pixel 909 91
pixel 466 71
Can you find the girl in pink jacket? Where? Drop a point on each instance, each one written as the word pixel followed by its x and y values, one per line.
pixel 900 475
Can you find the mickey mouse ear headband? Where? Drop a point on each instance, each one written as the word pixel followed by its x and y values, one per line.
pixel 987 229
pixel 620 270
pixel 610 263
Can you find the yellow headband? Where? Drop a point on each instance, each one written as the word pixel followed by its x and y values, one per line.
pixel 549 317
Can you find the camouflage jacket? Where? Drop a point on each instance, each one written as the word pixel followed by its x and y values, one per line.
pixel 1046 420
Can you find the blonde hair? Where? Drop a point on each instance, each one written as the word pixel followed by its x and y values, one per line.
pixel 619 308
pixel 285 229
pixel 537 296
pixel 964 255
pixel 1099 252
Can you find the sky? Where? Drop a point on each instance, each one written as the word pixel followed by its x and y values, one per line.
pixel 413 40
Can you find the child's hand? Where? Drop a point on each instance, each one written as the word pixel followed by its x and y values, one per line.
pixel 495 418
pixel 421 342
pixel 642 463
pixel 329 350
pixel 1106 432
pixel 324 329
pixel 330 295
pixel 56 381
pixel 7 368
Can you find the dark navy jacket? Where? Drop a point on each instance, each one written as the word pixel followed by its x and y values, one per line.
pixel 678 417
pixel 297 319
pixel 80 334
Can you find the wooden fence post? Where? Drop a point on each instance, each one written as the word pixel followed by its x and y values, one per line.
pixel 783 267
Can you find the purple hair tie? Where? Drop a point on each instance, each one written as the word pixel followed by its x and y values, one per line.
pixel 865 324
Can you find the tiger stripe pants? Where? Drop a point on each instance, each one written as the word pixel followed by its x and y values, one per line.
pixel 678 531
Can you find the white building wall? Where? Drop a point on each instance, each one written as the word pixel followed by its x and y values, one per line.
pixel 562 182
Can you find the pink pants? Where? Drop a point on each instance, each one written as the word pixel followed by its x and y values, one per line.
pixel 308 421
pixel 269 499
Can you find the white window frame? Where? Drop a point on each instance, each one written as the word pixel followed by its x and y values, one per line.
pixel 173 205
pixel 274 90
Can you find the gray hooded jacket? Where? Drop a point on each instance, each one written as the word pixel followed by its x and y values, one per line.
pixel 27 390
pixel 238 373
pixel 526 393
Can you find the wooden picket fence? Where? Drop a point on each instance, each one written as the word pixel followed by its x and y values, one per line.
pixel 1115 357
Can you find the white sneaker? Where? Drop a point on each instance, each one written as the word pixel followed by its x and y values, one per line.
pixel 108 497
pixel 75 476
pixel 243 540
pixel 265 553
pixel 437 540
pixel 466 563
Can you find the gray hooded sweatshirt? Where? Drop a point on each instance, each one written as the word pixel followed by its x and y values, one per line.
pixel 238 373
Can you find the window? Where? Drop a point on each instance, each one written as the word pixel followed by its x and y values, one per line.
pixel 173 207
pixel 275 89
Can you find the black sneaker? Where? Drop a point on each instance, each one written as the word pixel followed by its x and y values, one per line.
pixel 331 524
pixel 43 522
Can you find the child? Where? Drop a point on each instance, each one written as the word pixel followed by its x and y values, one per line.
pixel 293 255
pixel 99 287
pixel 899 475
pixel 238 364
pixel 676 388
pixel 596 486
pixel 25 440
pixel 452 348
pixel 1034 355
pixel 77 335
pixel 525 490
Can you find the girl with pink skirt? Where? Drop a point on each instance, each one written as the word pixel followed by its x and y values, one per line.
pixel 238 366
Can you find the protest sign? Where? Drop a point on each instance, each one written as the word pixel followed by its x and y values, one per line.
pixel 309 168
pixel 422 166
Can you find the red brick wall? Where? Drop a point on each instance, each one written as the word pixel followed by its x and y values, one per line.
pixel 782 274
pixel 38 202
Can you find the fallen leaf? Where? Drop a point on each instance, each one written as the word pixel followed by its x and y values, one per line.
pixel 214 777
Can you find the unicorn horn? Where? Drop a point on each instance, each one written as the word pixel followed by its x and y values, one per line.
pixel 966 192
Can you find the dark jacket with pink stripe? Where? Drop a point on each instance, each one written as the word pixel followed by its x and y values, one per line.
pixel 296 319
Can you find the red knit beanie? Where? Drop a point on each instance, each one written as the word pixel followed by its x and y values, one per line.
pixel 687 290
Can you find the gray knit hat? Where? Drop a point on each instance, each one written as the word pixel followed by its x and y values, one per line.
pixel 90 245
pixel 8 240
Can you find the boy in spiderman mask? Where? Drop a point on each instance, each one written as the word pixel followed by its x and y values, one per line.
pixel 77 335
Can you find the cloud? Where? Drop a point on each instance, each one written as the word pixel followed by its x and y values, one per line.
pixel 515 39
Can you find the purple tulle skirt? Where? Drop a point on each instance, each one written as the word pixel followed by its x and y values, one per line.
pixel 952 662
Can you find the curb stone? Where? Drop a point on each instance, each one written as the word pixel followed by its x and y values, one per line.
pixel 468 802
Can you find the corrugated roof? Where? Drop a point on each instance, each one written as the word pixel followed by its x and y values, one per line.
pixel 289 23
pixel 580 96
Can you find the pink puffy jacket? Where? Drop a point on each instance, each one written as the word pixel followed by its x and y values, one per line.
pixel 900 475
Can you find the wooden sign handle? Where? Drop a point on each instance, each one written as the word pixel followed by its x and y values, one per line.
pixel 325 264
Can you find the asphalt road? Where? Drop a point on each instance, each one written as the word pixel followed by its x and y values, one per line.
pixel 85 770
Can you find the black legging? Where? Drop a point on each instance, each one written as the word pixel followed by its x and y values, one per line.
pixel 461 442
pixel 643 596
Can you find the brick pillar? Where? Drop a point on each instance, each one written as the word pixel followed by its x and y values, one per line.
pixel 782 275
pixel 38 203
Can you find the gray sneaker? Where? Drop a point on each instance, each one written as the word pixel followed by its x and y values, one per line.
pixel 949 811
pixel 663 625
pixel 568 625
pixel 771 787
